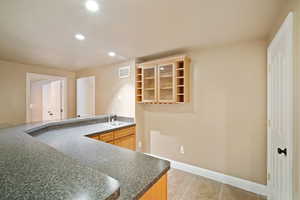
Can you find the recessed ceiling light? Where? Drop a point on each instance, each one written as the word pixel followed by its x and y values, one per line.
pixel 112 54
pixel 92 6
pixel 79 36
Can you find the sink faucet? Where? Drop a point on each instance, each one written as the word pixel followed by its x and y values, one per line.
pixel 111 118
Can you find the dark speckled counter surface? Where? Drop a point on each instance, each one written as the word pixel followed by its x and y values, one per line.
pixel 57 161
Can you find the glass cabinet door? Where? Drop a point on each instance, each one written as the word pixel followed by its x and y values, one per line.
pixel 149 83
pixel 166 83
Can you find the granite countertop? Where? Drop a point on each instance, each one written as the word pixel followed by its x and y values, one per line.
pixel 57 161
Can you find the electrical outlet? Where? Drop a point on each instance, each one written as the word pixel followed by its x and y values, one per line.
pixel 140 144
pixel 181 149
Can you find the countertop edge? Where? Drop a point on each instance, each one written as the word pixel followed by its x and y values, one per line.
pixel 138 196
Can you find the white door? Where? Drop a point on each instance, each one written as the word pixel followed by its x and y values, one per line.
pixel 85 96
pixel 280 113
pixel 52 101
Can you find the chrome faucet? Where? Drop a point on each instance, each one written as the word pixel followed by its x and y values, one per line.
pixel 111 118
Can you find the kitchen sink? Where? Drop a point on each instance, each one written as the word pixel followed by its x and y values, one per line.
pixel 113 124
pixel 116 123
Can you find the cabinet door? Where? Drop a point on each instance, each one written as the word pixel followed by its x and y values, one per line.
pixel 166 83
pixel 149 84
pixel 127 142
pixel 159 191
pixel 107 137
pixel 124 132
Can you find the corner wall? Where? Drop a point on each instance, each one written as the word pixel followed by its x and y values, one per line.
pixel 224 127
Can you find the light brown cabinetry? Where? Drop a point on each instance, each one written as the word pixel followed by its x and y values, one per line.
pixel 127 142
pixel 149 83
pixel 124 137
pixel 166 83
pixel 163 81
pixel 107 137
pixel 124 132
pixel 159 191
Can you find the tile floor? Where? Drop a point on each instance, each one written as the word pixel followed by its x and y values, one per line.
pixel 186 186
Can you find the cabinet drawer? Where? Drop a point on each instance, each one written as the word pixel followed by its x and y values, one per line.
pixel 127 142
pixel 107 137
pixel 124 132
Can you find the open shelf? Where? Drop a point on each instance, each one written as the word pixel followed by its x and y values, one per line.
pixel 166 76
pixel 166 88
pixel 149 78
pixel 139 98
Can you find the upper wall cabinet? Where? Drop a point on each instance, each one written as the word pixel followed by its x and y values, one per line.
pixel 163 81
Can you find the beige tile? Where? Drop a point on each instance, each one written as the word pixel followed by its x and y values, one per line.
pixel 178 182
pixel 232 193
pixel 186 186
pixel 203 189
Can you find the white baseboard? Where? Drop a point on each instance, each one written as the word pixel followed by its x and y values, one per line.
pixel 216 176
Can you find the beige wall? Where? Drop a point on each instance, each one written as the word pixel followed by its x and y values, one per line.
pixel 224 127
pixel 294 6
pixel 13 90
pixel 113 95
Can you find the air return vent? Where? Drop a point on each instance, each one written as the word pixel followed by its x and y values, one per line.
pixel 124 72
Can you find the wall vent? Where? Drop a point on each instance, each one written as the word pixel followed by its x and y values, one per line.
pixel 124 72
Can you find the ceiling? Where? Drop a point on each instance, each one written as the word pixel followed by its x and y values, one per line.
pixel 42 32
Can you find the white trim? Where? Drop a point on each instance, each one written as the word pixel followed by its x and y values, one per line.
pixel 219 177
pixel 285 32
pixel 34 76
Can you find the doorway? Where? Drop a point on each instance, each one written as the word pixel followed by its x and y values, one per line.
pixel 46 98
pixel 85 96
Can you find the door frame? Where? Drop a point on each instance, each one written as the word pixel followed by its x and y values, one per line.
pixel 287 25
pixel 35 76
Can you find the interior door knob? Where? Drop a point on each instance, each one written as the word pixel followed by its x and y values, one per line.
pixel 282 151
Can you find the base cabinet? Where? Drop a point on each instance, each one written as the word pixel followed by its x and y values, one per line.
pixel 127 142
pixel 124 137
pixel 159 191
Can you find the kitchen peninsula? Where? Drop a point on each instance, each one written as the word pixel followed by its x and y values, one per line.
pixel 62 160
